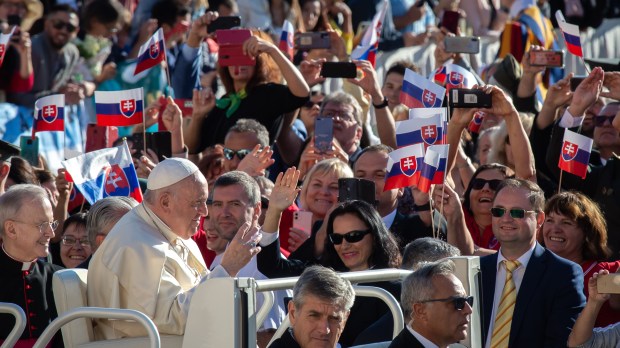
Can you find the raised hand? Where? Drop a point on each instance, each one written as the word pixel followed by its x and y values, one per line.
pixel 368 82
pixel 172 117
pixel 311 71
pixel 203 102
pixel 594 295
pixel 254 46
pixel 285 190
pixel 559 93
pixel 198 31
pixel 242 248
pixel 587 92
pixel 257 161
pixel 501 105
pixel 612 82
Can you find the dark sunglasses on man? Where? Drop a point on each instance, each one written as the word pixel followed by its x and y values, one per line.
pixel 478 183
pixel 59 25
pixel 515 213
pixel 230 153
pixel 599 120
pixel 458 301
pixel 351 237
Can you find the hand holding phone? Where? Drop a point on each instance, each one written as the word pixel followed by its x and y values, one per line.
pixel 462 44
pixel 323 134
pixel 450 21
pixel 350 189
pixel 310 40
pixel 552 59
pixel 469 98
pixel 231 48
pixel 29 149
pixel 302 220
pixel 339 70
pixel 224 23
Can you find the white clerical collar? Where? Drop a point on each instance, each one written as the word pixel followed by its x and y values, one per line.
pixel 25 265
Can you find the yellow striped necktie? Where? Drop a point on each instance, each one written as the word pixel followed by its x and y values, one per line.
pixel 503 318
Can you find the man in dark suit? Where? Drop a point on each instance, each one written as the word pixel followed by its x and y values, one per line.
pixel 549 289
pixel 439 307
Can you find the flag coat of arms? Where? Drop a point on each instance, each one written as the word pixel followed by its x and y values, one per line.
pixel 4 44
pixel 119 108
pixel 49 113
pixel 286 44
pixel 575 154
pixel 427 131
pixel 104 173
pixel 151 53
pixel 368 46
pixel 459 77
pixel 571 35
pixel 419 92
pixel 403 167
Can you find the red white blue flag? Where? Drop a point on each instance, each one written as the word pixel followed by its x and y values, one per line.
pixel 571 35
pixel 403 167
pixel 418 92
pixel 368 46
pixel 286 44
pixel 49 113
pixel 434 167
pixel 440 75
pixel 152 52
pixel 459 77
pixel 104 173
pixel 119 108
pixel 425 130
pixel 575 154
pixel 476 122
pixel 4 44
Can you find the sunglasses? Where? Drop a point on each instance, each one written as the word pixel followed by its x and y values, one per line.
pixel 310 104
pixel 515 213
pixel 459 302
pixel 478 184
pixel 351 237
pixel 58 25
pixel 599 120
pixel 230 154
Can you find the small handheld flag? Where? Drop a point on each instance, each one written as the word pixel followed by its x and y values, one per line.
pixel 428 170
pixel 403 167
pixel 367 48
pixel 427 131
pixel 571 35
pixel 4 44
pixel 575 154
pixel 49 114
pixel 152 52
pixel 476 122
pixel 286 44
pixel 119 108
pixel 458 77
pixel 419 92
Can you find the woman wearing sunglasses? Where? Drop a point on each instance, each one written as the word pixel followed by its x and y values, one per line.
pixel 356 240
pixel 575 229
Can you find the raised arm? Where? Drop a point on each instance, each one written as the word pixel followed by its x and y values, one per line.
pixel 582 330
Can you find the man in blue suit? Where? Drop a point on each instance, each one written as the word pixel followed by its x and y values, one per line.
pixel 549 289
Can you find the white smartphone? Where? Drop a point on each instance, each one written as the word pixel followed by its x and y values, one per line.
pixel 303 220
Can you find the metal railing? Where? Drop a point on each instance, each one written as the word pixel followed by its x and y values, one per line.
pixel 20 323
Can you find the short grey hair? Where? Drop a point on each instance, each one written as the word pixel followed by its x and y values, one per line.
pixel 236 177
pixel 345 98
pixel 15 198
pixel 248 125
pixel 105 212
pixel 418 286
pixel 326 284
pixel 427 249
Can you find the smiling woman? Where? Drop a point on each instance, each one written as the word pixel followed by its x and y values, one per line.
pixel 75 247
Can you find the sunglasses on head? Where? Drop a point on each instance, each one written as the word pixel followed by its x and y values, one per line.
pixel 478 183
pixel 58 25
pixel 599 120
pixel 458 301
pixel 351 237
pixel 230 154
pixel 515 213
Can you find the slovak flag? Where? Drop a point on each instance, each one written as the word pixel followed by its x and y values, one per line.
pixel 440 75
pixel 76 199
pixel 427 131
pixel 476 122
pixel 286 44
pixel 367 48
pixel 575 154
pixel 102 173
pixel 458 77
pixel 432 171
pixel 403 167
pixel 152 52
pixel 4 44
pixel 119 108
pixel 571 35
pixel 419 92
pixel 49 113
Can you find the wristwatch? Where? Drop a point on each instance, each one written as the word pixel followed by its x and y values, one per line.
pixel 382 105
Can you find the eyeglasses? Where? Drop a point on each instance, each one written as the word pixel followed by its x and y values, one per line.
pixel 515 213
pixel 53 225
pixel 230 153
pixel 458 301
pixel 478 184
pixel 599 120
pixel 339 116
pixel 351 237
pixel 71 241
pixel 310 104
pixel 58 25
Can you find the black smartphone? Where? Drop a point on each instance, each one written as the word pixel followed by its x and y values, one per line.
pixel 462 44
pixel 339 69
pixel 450 21
pixel 575 81
pixel 310 40
pixel 222 23
pixel 350 189
pixel 323 134
pixel 29 149
pixel 100 137
pixel 554 59
pixel 469 98
pixel 14 20
pixel 159 142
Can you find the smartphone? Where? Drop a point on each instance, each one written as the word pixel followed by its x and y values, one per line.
pixel 223 23
pixel 14 20
pixel 303 220
pixel 29 149
pixel 350 189
pixel 450 21
pixel 231 47
pixel 100 137
pixel 469 98
pixel 159 142
pixel 310 40
pixel 323 134
pixel 462 44
pixel 554 59
pixel 575 81
pixel 608 283
pixel 339 70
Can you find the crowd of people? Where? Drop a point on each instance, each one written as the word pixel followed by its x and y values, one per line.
pixel 250 191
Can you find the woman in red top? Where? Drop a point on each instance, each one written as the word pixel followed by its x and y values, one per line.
pixel 575 229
